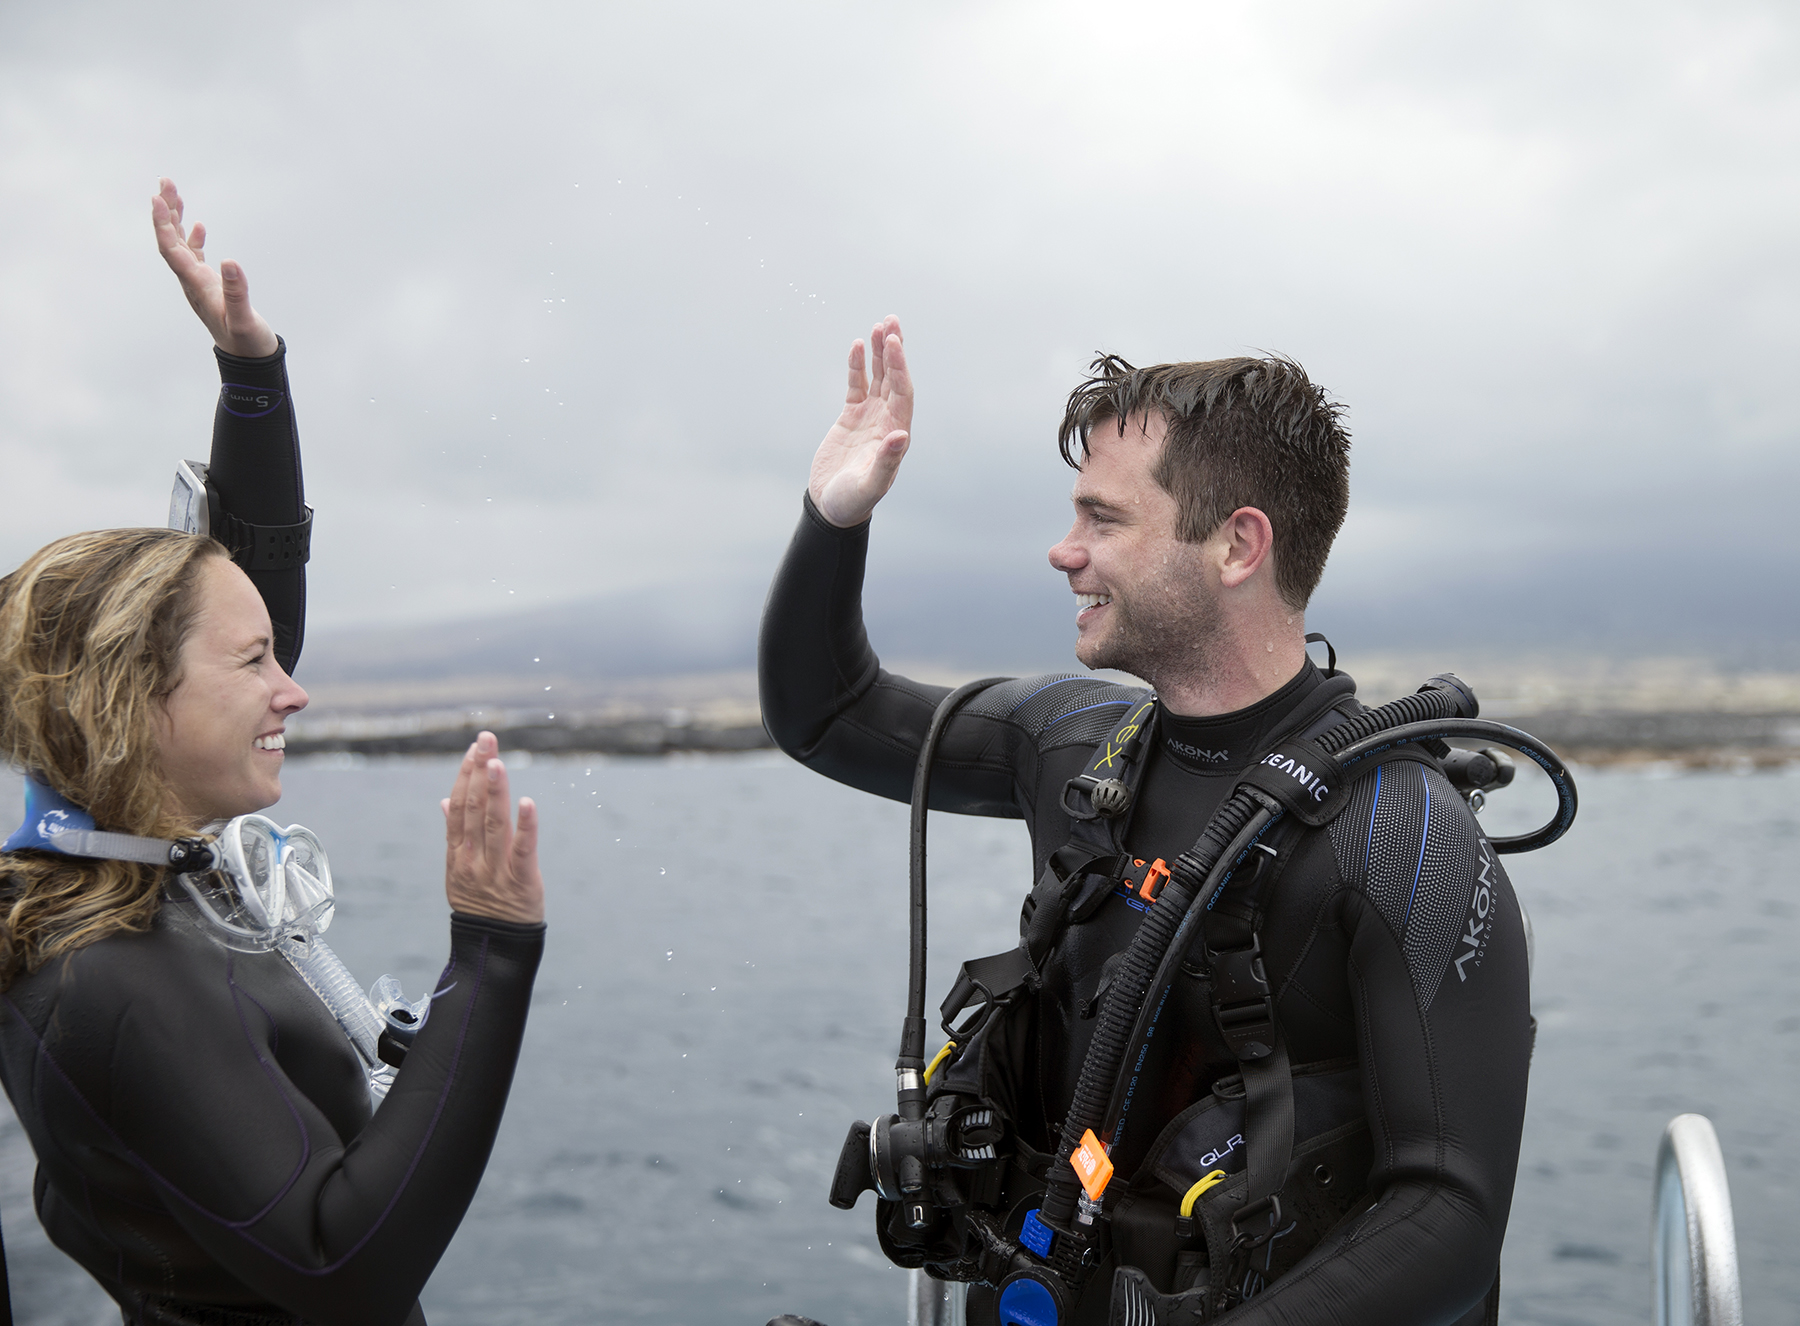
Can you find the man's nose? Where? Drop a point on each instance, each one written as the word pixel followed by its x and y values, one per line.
pixel 1068 555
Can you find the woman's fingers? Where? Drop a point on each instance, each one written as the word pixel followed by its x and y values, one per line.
pixel 497 823
pixel 453 822
pixel 475 795
pixel 526 881
pixel 524 844
pixel 491 868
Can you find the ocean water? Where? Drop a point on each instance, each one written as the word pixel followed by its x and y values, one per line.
pixel 722 994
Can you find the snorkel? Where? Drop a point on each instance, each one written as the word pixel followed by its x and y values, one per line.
pixel 255 888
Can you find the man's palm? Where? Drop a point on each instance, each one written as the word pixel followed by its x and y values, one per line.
pixel 856 463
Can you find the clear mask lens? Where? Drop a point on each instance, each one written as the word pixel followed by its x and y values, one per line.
pixel 276 885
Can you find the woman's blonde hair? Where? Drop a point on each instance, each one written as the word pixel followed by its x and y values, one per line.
pixel 91 629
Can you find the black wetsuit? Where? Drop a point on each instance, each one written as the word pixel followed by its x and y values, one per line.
pixel 255 466
pixel 1364 937
pixel 203 1132
pixel 202 1125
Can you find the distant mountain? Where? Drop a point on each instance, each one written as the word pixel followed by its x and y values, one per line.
pixel 976 621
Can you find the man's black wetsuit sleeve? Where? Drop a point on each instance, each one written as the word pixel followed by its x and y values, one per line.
pixel 255 467
pixel 1440 992
pixel 248 1165
pixel 827 701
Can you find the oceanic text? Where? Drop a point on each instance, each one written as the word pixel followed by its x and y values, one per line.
pixel 1308 780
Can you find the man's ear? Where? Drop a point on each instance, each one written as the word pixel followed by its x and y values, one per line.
pixel 1249 542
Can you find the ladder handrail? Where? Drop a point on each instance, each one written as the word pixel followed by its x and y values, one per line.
pixel 1693 1239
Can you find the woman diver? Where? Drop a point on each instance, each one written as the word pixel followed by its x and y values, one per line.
pixel 197 1077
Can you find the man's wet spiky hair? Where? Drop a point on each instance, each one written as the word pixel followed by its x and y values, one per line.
pixel 1241 432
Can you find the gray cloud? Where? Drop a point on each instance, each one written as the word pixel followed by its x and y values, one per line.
pixel 568 287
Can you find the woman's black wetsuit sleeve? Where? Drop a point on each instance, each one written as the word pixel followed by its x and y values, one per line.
pixel 248 1165
pixel 827 701
pixel 255 468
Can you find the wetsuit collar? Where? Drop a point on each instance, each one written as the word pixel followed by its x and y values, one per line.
pixel 1224 742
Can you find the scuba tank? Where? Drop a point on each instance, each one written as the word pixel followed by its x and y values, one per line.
pixel 948 1166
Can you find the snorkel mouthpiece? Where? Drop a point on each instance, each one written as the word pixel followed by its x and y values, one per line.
pixel 258 888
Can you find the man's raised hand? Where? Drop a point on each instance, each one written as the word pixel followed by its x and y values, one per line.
pixel 856 463
pixel 221 298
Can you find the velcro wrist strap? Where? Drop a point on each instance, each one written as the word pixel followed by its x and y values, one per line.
pixel 266 547
pixel 1303 778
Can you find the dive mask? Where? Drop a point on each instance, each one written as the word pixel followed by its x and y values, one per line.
pixel 257 883
pixel 270 883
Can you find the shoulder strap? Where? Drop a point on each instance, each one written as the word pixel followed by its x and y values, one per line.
pixel 1244 1003
pixel 1076 878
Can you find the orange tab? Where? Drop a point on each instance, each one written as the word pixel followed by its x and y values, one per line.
pixel 1154 879
pixel 1092 1165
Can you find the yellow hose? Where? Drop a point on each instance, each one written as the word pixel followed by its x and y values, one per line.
pixel 942 1055
pixel 1212 1180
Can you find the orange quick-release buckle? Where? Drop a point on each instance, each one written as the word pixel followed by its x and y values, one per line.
pixel 1092 1165
pixel 1156 874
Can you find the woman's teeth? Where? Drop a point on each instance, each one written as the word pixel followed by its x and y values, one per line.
pixel 276 742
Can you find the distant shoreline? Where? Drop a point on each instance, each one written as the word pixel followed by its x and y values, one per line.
pixel 1690 739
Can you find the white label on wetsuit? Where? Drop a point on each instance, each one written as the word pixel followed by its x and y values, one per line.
pixel 1472 944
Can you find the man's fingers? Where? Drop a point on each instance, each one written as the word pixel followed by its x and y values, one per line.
pixel 899 380
pixel 859 383
pixel 885 463
pixel 877 357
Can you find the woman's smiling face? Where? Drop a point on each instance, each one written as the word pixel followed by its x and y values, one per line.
pixel 220 732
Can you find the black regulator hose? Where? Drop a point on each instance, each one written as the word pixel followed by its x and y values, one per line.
pixel 1441 698
pixel 1480 729
pixel 909 1068
pixel 1355 753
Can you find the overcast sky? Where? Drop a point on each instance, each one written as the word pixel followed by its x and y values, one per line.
pixel 567 288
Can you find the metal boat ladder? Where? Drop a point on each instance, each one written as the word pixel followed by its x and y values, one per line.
pixel 1693 1239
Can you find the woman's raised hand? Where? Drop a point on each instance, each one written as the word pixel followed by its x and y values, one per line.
pixel 856 463
pixel 490 868
pixel 221 298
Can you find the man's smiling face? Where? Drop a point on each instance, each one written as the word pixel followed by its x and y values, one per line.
pixel 1144 601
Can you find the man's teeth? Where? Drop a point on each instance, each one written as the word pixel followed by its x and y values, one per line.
pixel 1085 601
pixel 276 742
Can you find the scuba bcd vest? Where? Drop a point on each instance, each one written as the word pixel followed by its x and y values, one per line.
pixel 1238 1185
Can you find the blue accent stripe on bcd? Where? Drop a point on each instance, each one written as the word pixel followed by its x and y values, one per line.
pixel 1103 704
pixel 1374 806
pixel 1424 834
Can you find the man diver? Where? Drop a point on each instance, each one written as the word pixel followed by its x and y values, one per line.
pixel 1206 500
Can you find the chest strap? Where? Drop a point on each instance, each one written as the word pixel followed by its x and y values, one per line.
pixel 1076 879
